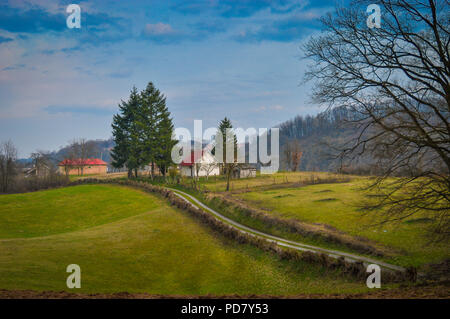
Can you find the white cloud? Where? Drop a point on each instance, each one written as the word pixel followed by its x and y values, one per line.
pixel 158 29
pixel 264 108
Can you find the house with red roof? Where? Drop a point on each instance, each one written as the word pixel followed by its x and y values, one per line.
pixel 199 163
pixel 83 166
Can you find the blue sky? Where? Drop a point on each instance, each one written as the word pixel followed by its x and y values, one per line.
pixel 210 58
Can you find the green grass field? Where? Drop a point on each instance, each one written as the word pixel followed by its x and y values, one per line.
pixel 218 183
pixel 337 205
pixel 69 209
pixel 127 240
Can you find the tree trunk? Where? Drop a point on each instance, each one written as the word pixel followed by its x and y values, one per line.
pixel 228 178
pixel 130 173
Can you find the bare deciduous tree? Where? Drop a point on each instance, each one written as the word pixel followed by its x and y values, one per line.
pixel 395 80
pixel 293 154
pixel 43 163
pixel 208 168
pixel 8 169
pixel 79 150
pixel 288 155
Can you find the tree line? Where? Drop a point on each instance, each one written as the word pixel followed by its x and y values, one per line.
pixel 307 142
pixel 142 132
pixel 17 176
pixel 324 123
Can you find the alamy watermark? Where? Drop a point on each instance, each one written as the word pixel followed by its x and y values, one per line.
pixel 74 19
pixel 74 279
pixel 230 148
pixel 374 18
pixel 374 279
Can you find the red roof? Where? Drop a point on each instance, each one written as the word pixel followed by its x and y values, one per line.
pixel 189 160
pixel 84 162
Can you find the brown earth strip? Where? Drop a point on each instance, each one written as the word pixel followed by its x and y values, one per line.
pixel 441 291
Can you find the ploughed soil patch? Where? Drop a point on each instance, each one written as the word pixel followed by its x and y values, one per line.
pixel 441 291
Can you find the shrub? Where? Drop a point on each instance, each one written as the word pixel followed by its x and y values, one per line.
pixel 24 184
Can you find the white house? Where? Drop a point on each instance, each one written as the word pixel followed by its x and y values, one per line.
pixel 199 164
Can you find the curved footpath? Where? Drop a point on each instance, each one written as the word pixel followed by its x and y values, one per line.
pixel 281 241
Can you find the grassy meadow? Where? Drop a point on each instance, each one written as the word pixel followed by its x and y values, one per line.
pixel 127 240
pixel 218 183
pixel 337 205
pixel 68 209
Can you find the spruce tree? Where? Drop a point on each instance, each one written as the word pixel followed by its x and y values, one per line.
pixel 166 142
pixel 228 167
pixel 143 132
pixel 223 126
pixel 126 135
pixel 150 97
pixel 157 129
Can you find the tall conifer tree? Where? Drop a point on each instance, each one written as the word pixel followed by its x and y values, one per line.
pixel 165 138
pixel 143 132
pixel 227 166
pixel 126 152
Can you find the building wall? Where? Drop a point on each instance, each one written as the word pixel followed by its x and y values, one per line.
pixel 186 171
pixel 213 172
pixel 87 170
pixel 245 173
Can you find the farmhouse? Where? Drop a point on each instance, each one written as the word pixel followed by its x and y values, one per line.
pixel 82 166
pixel 199 164
pixel 41 170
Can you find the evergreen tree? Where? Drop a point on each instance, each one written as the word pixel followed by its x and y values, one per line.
pixel 143 132
pixel 157 129
pixel 165 139
pixel 228 167
pixel 223 126
pixel 126 135
pixel 150 98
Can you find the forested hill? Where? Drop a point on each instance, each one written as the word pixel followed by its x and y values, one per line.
pixel 99 149
pixel 315 134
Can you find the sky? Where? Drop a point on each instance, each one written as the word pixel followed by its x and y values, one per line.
pixel 241 59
